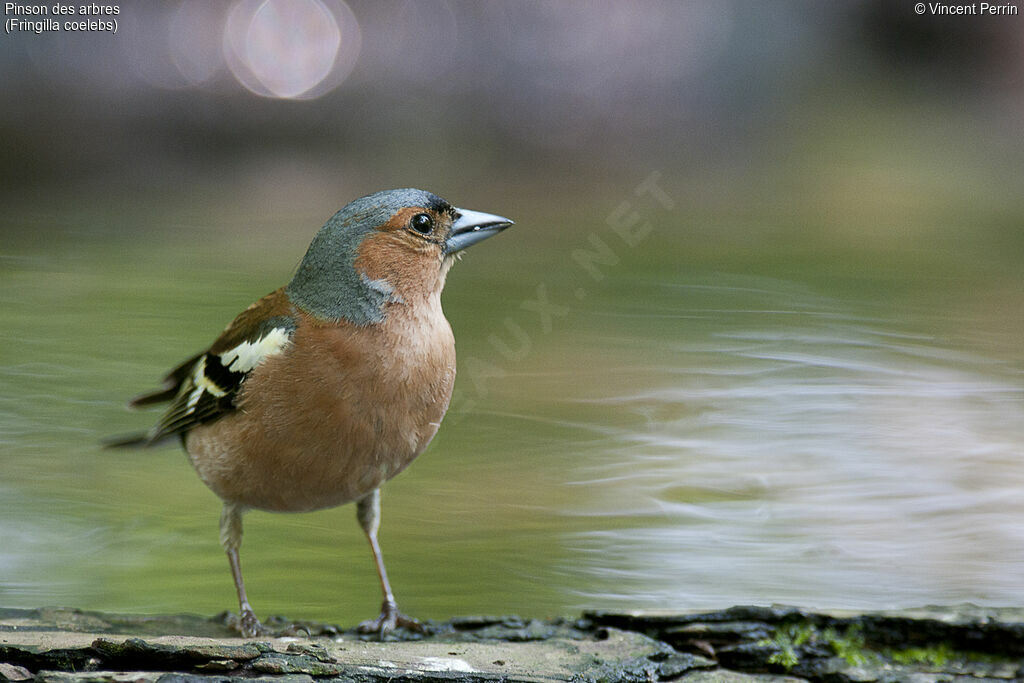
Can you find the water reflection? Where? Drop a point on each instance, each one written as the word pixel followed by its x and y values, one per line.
pixel 805 450
pixel 689 441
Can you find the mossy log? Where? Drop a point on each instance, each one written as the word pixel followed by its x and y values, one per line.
pixel 963 643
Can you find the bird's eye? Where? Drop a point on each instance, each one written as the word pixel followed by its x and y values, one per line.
pixel 422 223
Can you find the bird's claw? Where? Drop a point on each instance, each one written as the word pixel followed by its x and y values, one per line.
pixel 390 619
pixel 247 624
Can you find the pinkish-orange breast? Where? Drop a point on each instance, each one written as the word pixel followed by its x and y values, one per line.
pixel 339 412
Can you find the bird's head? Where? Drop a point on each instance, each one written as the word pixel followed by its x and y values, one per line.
pixel 394 246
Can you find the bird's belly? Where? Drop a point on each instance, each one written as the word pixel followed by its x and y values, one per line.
pixel 314 469
pixel 342 448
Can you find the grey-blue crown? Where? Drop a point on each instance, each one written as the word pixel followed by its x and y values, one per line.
pixel 375 209
pixel 326 283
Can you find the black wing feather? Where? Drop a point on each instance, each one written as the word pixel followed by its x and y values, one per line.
pixel 170 387
pixel 206 386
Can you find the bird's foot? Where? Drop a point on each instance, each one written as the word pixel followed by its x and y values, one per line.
pixel 390 619
pixel 246 623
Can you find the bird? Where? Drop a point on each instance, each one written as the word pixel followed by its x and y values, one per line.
pixel 324 389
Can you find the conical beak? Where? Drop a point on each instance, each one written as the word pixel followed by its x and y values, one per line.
pixel 472 227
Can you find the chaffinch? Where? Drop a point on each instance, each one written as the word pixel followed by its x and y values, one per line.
pixel 324 389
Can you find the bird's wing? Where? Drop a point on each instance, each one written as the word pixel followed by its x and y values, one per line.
pixel 206 386
pixel 171 384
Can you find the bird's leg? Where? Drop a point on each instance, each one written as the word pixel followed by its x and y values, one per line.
pixel 368 513
pixel 231 538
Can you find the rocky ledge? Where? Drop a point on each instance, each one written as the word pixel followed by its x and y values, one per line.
pixel 964 643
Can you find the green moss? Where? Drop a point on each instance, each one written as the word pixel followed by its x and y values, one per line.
pixel 933 655
pixel 792 641
pixel 850 645
pixel 788 639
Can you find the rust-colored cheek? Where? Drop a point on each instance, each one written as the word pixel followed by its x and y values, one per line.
pixel 410 265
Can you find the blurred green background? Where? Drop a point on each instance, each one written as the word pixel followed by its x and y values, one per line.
pixel 795 376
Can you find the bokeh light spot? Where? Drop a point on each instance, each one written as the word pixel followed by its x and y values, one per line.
pixel 291 48
pixel 193 30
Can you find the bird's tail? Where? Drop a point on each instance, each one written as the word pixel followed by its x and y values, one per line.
pixel 167 392
pixel 140 440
